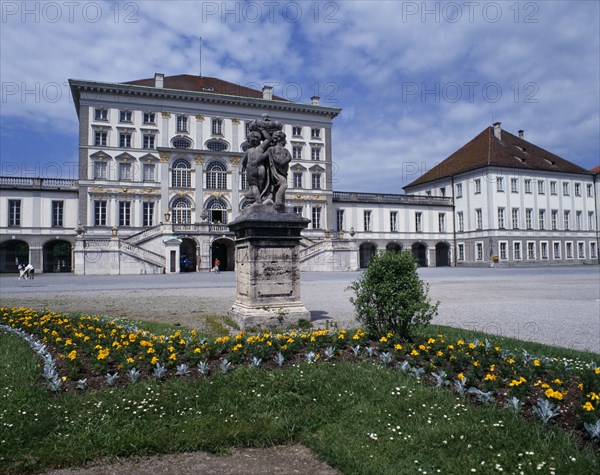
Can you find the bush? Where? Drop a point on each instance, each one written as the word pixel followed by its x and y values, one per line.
pixel 390 297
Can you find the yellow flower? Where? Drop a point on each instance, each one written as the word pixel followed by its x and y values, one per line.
pixel 154 360
pixel 460 342
pixel 383 339
pixel 398 346
pixel 510 360
pixel 489 377
pixel 580 386
pixel 130 360
pixel 422 347
pixel 472 346
pixel 197 350
pixel 103 354
pixel 475 363
pixel 460 376
pixel 414 353
pixel 440 353
pixel 551 393
pixel 518 382
pixel 150 351
pixel 450 347
pixel 492 367
pixel 173 356
pixel 588 406
pixel 593 396
pixel 431 341
pixel 597 370
pixel 536 363
pixel 557 381
pixel 72 355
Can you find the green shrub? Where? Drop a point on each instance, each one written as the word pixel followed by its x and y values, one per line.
pixel 390 297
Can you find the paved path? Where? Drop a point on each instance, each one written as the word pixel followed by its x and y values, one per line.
pixel 555 305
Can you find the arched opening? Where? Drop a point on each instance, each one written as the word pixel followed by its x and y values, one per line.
pixel 181 211
pixel 442 254
pixel 366 251
pixel 57 256
pixel 181 174
pixel 419 252
pixel 217 211
pixel 393 247
pixel 216 176
pixel 224 250
pixel 187 255
pixel 13 253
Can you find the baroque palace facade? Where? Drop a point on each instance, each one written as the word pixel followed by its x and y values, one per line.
pixel 160 178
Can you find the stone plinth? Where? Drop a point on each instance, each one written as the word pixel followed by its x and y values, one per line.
pixel 267 267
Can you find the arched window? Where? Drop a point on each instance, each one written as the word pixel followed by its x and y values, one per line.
pixel 182 142
pixel 217 145
pixel 217 211
pixel 216 176
pixel 181 174
pixel 245 146
pixel 181 211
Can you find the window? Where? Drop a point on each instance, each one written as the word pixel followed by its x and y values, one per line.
pixel 57 213
pixel 566 191
pixel 478 219
pixel 125 139
pixel 316 217
pixel 149 118
pixel 515 218
pixel 479 251
pixel 553 190
pixel 101 114
pixel 182 123
pixel 367 220
pixel 14 213
pixel 100 170
pixel 100 213
pixel 541 187
pixel 244 180
pixel 516 250
pixel 418 222
pixel 339 219
pixel 181 175
pixel 125 116
pixel 393 221
pixel 477 186
pixel 542 219
pixel 315 153
pixel 529 218
pixel 297 179
pixel 100 139
pixel 514 185
pixel 217 126
pixel 442 222
pixel 297 131
pixel 217 211
pixel 580 250
pixel 315 133
pixel 501 218
pixel 149 170
pixel 577 188
pixel 459 190
pixel 316 181
pixel 443 191
pixel 297 210
pixel 591 221
pixel 149 140
pixel 125 171
pixel 216 176
pixel 503 251
pixel 530 250
pixel 124 213
pixel 428 192
pixel 578 220
pixel 554 219
pixel 556 250
pixel 589 190
pixel 182 142
pixel 527 186
pixel 461 252
pixel 567 214
pixel 297 152
pixel 593 250
pixel 181 211
pixel 569 250
pixel 148 210
pixel 217 145
pixel 544 250
pixel 499 183
pixel 461 221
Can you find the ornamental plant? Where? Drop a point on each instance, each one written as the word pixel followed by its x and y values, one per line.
pixel 390 297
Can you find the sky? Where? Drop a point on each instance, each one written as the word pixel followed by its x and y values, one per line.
pixel 415 80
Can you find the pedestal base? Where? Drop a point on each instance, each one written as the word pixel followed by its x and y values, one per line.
pixel 268 317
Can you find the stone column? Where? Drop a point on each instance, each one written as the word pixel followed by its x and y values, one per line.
pixel 267 267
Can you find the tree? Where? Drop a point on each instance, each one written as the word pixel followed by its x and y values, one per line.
pixel 390 297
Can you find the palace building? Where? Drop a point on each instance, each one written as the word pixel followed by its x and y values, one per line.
pixel 160 178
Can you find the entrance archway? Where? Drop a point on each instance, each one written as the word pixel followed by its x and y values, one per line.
pixel 12 253
pixel 442 254
pixel 419 252
pixel 393 247
pixel 224 250
pixel 57 256
pixel 187 255
pixel 366 251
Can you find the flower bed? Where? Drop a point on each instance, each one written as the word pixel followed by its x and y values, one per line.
pixel 91 352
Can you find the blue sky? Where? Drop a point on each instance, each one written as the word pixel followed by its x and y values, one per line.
pixel 416 80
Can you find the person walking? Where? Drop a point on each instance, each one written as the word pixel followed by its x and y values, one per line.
pixel 217 264
pixel 21 269
pixel 29 271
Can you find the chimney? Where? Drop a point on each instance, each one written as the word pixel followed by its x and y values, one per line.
pixel 498 130
pixel 521 133
pixel 267 92
pixel 316 100
pixel 159 80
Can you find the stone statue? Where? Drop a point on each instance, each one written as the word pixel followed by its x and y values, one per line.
pixel 266 162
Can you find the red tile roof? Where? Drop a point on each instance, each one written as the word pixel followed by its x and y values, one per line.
pixel 206 84
pixel 596 169
pixel 509 152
